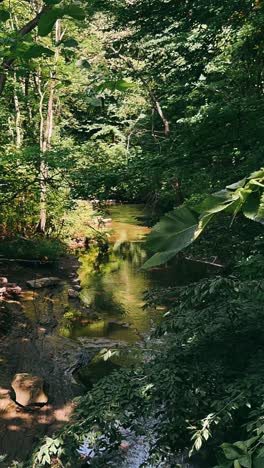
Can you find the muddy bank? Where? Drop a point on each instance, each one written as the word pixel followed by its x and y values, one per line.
pixel 33 350
pixel 28 346
pixel 30 343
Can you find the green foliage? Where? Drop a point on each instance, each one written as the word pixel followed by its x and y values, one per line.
pixel 36 50
pixel 181 227
pixel 38 248
pixel 4 15
pixel 120 85
pixel 173 233
pixel 48 19
pixel 114 81
pixel 201 381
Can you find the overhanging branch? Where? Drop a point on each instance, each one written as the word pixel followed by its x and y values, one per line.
pixel 8 61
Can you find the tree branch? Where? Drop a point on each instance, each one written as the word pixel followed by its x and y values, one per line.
pixel 27 28
pixel 150 92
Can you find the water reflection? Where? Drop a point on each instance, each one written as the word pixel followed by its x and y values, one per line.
pixel 113 284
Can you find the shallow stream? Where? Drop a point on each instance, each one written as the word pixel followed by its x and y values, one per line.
pixel 58 338
pixel 112 287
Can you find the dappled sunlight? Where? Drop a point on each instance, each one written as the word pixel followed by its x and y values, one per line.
pixel 20 429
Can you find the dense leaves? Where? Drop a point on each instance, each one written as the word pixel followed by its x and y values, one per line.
pixel 181 227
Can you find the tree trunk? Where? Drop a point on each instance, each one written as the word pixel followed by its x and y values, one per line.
pixel 17 117
pixel 46 135
pixel 45 143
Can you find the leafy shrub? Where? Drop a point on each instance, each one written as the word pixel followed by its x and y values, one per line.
pixel 39 248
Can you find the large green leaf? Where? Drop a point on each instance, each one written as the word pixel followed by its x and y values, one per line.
pixel 4 15
pixel 246 461
pixel 36 50
pixel 251 206
pixel 231 451
pixel 48 20
pixel 175 231
pixel 74 11
pixel 178 229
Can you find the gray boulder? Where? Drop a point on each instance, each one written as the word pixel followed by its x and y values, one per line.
pixel 72 293
pixel 39 283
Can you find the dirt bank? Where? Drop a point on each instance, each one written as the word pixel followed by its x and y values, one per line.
pixel 33 347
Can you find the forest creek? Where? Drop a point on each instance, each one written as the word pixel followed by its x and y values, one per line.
pixel 131 233
pixel 60 335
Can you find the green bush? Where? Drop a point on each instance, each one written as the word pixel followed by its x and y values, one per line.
pixel 39 248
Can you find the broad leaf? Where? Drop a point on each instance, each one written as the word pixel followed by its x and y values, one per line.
pixel 231 451
pixel 246 461
pixel 71 43
pixel 251 206
pixel 48 20
pixel 174 232
pixel 4 15
pixel 36 51
pixel 74 11
pixel 236 185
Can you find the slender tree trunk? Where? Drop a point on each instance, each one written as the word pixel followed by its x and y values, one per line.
pixel 44 170
pixel 155 101
pixel 18 126
pixel 46 135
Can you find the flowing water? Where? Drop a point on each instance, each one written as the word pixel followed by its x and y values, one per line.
pixel 113 284
pixel 112 288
